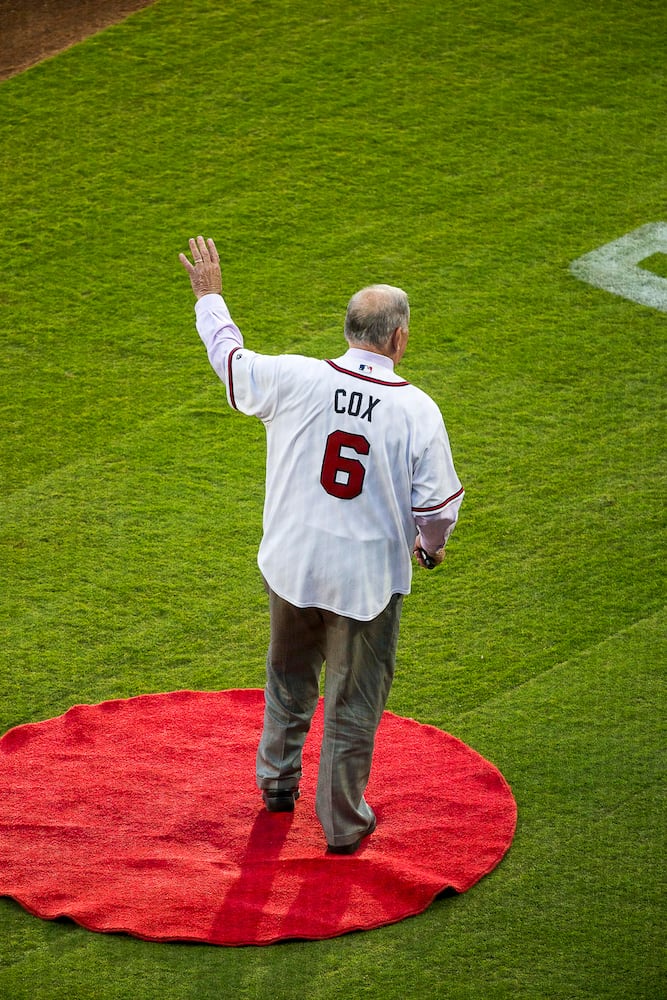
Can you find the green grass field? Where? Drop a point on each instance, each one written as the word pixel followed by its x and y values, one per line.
pixel 467 152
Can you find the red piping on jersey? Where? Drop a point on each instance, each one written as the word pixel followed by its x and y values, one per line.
pixel 232 399
pixel 438 506
pixel 364 378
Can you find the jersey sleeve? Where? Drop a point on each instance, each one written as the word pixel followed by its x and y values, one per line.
pixel 250 378
pixel 253 383
pixel 437 492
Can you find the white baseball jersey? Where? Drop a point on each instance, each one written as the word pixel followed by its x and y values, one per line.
pixel 356 457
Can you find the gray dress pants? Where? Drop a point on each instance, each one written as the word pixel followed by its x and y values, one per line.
pixel 360 658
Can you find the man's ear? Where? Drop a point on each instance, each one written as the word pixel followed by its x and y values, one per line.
pixel 399 340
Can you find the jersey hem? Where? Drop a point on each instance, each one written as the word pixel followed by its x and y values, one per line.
pixel 332 610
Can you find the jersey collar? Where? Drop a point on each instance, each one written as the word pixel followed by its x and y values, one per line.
pixel 355 357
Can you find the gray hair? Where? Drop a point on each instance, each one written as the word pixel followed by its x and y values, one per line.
pixel 374 313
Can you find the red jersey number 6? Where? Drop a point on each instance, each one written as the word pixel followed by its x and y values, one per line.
pixel 343 477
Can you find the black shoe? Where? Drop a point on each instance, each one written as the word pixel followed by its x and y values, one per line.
pixel 280 800
pixel 355 845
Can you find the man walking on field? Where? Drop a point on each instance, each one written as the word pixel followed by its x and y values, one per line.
pixel 359 476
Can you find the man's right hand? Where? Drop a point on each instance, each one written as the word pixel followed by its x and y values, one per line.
pixel 204 273
pixel 435 557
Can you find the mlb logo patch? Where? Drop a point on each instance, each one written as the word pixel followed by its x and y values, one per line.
pixel 366 368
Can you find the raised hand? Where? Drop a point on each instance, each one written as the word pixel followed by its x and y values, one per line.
pixel 204 272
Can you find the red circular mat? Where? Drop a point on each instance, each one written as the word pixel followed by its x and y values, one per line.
pixel 142 816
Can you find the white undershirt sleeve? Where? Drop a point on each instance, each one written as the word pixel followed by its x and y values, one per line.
pixel 435 529
pixel 218 331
